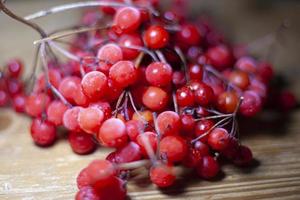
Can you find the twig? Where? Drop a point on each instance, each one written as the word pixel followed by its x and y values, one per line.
pixel 182 58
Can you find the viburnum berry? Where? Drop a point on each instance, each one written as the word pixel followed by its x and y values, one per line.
pixel 123 73
pixel 196 72
pixel 185 97
pixel 168 123
pixel 70 119
pixel 128 153
pixel 178 79
pixel 36 104
pixel 81 143
pixel 127 19
pixel 18 102
pixel 87 193
pixel 14 67
pixel 239 79
pixel 220 57
pixel 3 98
pixel 251 104
pixel 202 127
pixel 162 175
pixel 155 98
pixel 187 124
pixel 14 86
pixel 55 112
pixel 147 138
pixel 189 34
pixel 43 133
pixel 173 148
pixel 110 53
pixel 218 139
pixel 159 74
pixel 90 119
pixel 69 87
pixel 114 189
pixel 156 37
pixel 134 128
pixel 130 40
pixel 208 167
pixel 227 102
pixel 143 116
pixel 104 107
pixel 244 156
pixel 94 85
pixel 112 133
pixel 246 64
pixel 204 94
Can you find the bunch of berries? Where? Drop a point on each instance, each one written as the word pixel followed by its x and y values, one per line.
pixel 163 91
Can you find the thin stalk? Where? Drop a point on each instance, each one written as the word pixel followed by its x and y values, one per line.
pixel 161 56
pixel 158 134
pixel 64 52
pixel 119 102
pixel 143 49
pixel 135 109
pixel 214 117
pixel 175 103
pixel 182 58
pixel 134 164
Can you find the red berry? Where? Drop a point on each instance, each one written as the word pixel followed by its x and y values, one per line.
pixel 83 178
pixel 14 86
pixel 113 133
pixel 100 171
pixel 70 119
pixel 43 133
pixel 94 85
pixel 130 40
pixel 187 124
pixel 178 79
pixel 147 137
pixel 244 156
pixel 127 19
pixel 174 148
pixel 55 112
pixel 162 175
pixel 3 98
pixel 265 72
pixel 251 104
pixel 202 127
pixel 185 97
pixel 246 64
pixel 159 74
pixel 90 119
pixel 204 95
pixel 18 103
pixel 189 35
pixel 115 189
pixel 134 128
pixel 14 68
pixel 196 72
pixel 168 123
pixel 36 104
pixel 110 53
pixel 287 100
pixel 155 98
pixel 69 87
pixel 87 193
pixel 156 37
pixel 239 79
pixel 227 102
pixel 208 168
pixel 129 153
pixel 218 139
pixel 220 56
pixel 123 73
pixel 104 107
pixel 81 143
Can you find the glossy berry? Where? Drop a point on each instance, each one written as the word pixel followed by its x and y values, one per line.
pixel 202 127
pixel 130 40
pixel 81 143
pixel 110 53
pixel 227 102
pixel 100 170
pixel 36 104
pixel 104 107
pixel 69 87
pixel 14 86
pixel 173 148
pixel 218 139
pixel 244 156
pixel 129 153
pixel 220 57
pixel 55 112
pixel 113 133
pixel 94 84
pixel 123 73
pixel 196 71
pixel 134 128
pixel 43 133
pixel 90 119
pixel 287 100
pixel 87 193
pixel 251 104
pixel 156 37
pixel 127 19
pixel 187 124
pixel 155 98
pixel 147 138
pixel 208 168
pixel 189 35
pixel 246 64
pixel 162 175
pixel 168 123
pixel 14 68
pixel 70 119
pixel 204 94
pixel 185 97
pixel 239 79
pixel 143 116
pixel 159 74
pixel 19 102
pixel 114 189
pixel 178 79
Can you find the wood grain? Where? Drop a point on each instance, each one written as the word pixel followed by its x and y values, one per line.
pixel 28 172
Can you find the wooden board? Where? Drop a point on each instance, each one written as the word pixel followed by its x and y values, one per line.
pixel 28 172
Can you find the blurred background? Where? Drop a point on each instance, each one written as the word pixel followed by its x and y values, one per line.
pixel 242 21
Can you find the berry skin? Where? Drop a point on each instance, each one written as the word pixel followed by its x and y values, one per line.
pixel 185 97
pixel 155 98
pixel 43 133
pixel 204 95
pixel 162 175
pixel 55 112
pixel 14 68
pixel 174 148
pixel 129 40
pixel 189 35
pixel 69 87
pixel 83 178
pixel 143 116
pixel 220 57
pixel 3 98
pixel 159 74
pixel 100 171
pixel 87 193
pixel 14 86
pixel 246 64
pixel 127 19
pixel 123 73
pixel 178 79
pixel 251 104
pixel 208 168
pixel 244 156
pixel 115 189
pixel 81 143
pixel 110 53
pixel 149 137
pixel 104 107
pixel 227 102
pixel 70 119
pixel 195 155
pixel 218 139
pixel 94 85
pixel 265 72
pixel 156 37
pixel 90 119
pixel 202 127
pixel 239 79
pixel 18 103
pixel 196 72
pixel 112 133
pixel 129 153
pixel 187 124
pixel 287 100
pixel 36 104
pixel 168 123
pixel 134 128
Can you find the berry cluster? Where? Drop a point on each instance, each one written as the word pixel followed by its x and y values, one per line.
pixel 163 91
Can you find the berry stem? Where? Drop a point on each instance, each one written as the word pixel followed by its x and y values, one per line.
pixel 214 117
pixel 143 49
pixel 135 109
pixel 133 165
pixel 139 59
pixel 181 56
pixel 158 133
pixel 119 102
pixel 175 102
pixel 161 56
pixel 64 52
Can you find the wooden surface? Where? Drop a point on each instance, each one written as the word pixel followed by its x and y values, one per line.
pixel 28 172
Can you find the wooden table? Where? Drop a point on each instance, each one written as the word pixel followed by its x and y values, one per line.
pixel 28 172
